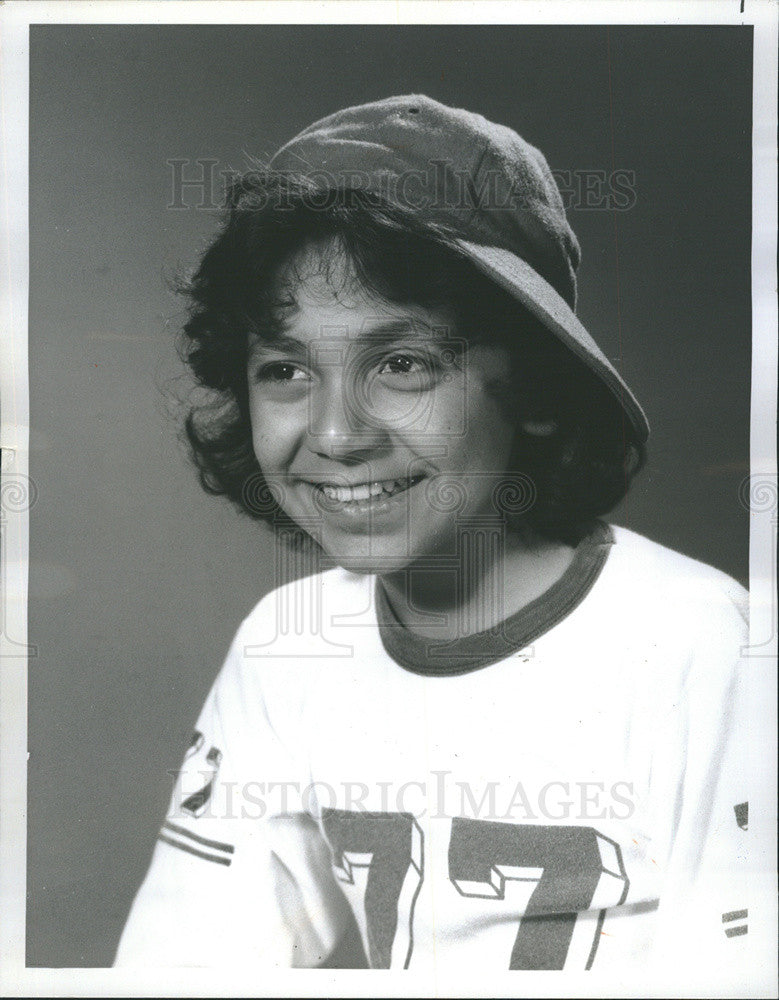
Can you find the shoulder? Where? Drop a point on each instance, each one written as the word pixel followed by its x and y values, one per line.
pixel 274 663
pixel 673 601
pixel 298 624
pixel 674 625
pixel 667 576
pixel 304 607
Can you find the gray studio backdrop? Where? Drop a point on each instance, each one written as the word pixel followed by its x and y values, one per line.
pixel 138 580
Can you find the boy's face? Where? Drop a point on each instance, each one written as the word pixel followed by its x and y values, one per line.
pixel 375 429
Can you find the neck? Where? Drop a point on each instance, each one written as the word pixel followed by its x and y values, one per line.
pixel 492 574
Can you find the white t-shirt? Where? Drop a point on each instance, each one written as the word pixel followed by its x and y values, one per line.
pixel 566 792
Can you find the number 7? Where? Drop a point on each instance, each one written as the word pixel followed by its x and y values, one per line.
pixel 390 846
pixel 569 863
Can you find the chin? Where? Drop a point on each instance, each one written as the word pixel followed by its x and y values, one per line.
pixel 358 560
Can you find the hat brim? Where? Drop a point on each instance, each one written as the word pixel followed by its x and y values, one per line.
pixel 518 278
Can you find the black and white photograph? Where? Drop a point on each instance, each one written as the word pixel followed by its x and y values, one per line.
pixel 389 500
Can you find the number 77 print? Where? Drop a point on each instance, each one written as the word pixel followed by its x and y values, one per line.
pixel 575 869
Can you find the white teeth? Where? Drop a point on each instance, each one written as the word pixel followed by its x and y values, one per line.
pixel 348 494
pixel 358 492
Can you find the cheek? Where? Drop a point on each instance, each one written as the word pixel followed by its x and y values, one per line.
pixel 489 429
pixel 477 427
pixel 274 435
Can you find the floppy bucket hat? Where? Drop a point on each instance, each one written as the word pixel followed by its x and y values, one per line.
pixel 493 192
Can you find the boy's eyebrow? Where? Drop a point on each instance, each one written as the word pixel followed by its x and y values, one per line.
pixel 277 341
pixel 403 327
pixel 382 333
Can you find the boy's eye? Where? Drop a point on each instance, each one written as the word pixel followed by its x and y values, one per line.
pixel 403 364
pixel 280 371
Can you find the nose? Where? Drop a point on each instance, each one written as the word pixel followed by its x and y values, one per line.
pixel 340 428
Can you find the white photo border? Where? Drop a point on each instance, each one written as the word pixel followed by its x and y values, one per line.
pixel 18 493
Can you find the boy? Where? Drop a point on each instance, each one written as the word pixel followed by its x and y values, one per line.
pixel 491 730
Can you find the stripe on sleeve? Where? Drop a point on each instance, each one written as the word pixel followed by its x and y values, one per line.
pixel 183 832
pixel 730 917
pixel 216 858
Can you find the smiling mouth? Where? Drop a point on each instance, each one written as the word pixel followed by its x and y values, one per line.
pixel 365 493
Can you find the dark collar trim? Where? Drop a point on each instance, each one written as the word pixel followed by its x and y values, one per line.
pixel 423 655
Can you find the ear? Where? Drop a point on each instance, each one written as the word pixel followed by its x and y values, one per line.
pixel 539 428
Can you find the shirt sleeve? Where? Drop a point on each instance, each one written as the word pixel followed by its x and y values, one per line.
pixel 703 917
pixel 234 880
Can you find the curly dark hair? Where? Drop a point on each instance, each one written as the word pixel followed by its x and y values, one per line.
pixel 579 472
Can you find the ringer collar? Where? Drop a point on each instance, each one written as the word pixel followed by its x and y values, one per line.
pixel 423 655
